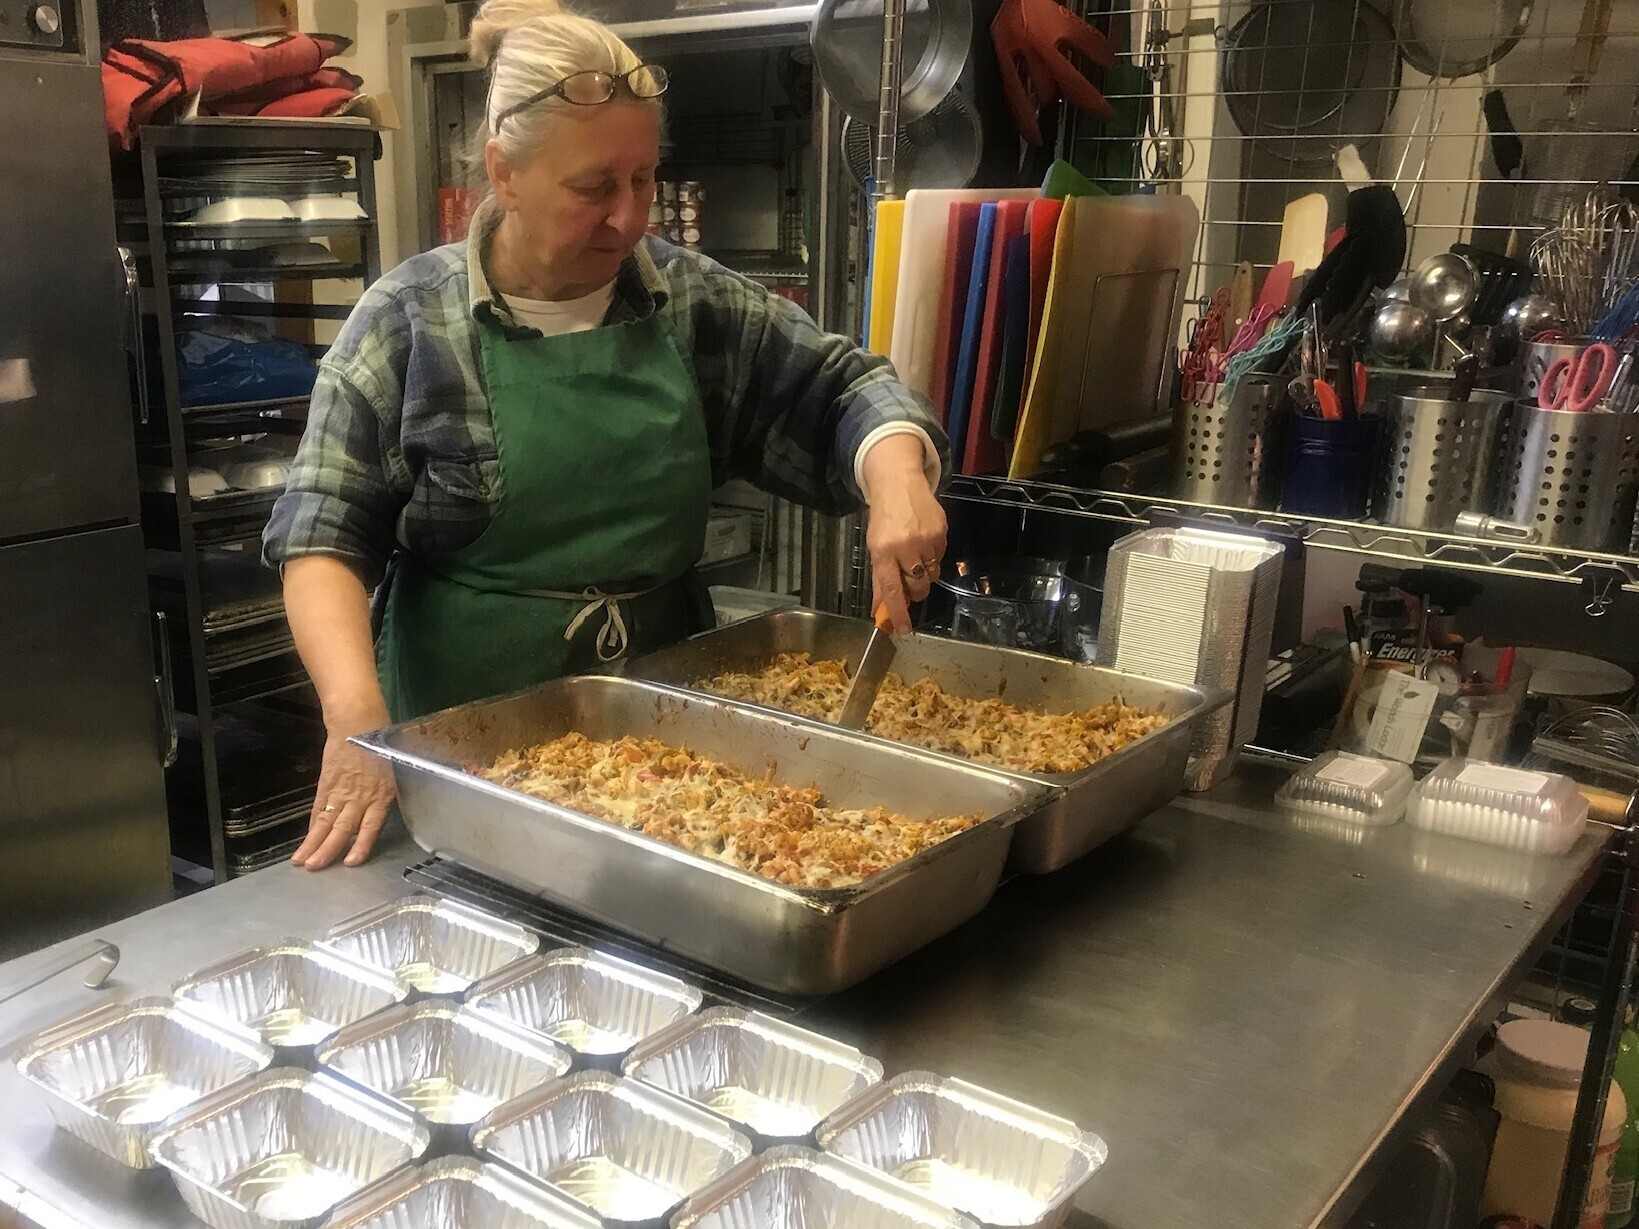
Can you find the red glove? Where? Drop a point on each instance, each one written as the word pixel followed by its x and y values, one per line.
pixel 1032 35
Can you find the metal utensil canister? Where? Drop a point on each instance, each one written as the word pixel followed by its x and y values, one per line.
pixel 1440 457
pixel 1575 476
pixel 1535 359
pixel 1225 453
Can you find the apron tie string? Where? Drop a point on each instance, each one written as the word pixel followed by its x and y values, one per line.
pixel 612 636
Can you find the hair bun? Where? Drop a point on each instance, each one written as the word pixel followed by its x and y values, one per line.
pixel 498 18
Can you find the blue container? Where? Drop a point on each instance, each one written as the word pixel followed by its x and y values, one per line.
pixel 1329 466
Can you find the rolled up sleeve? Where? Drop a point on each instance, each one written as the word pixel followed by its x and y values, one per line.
pixel 338 500
pixel 793 407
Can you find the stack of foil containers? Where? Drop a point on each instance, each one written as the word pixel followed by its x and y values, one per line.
pixel 1196 606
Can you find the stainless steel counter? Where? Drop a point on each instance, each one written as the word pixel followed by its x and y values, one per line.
pixel 1243 1009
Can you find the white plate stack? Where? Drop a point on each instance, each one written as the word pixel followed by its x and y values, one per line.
pixel 1196 606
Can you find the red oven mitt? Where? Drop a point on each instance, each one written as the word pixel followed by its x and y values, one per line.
pixel 1031 38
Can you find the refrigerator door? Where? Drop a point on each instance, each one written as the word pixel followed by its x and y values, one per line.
pixel 66 453
pixel 83 834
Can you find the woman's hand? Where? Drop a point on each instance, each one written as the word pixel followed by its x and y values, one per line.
pixel 906 536
pixel 356 788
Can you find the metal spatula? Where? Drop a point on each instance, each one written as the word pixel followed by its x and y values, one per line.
pixel 873 668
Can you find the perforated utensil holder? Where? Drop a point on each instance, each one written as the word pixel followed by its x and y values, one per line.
pixel 1224 453
pixel 1535 359
pixel 1440 457
pixel 1575 476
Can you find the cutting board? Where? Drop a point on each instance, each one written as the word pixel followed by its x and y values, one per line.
pixel 1114 300
pixel 983 452
pixel 1004 418
pixel 967 353
pixel 962 233
pixel 1042 221
pixel 922 275
pixel 890 222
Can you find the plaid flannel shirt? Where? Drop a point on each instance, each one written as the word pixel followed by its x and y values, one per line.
pixel 399 451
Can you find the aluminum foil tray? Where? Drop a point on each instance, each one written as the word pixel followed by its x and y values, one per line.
pixel 113 1075
pixel 281 1151
pixel 628 1152
pixel 796 1188
pixel 457 1192
pixel 777 1081
pixel 292 994
pixel 997 1160
pixel 1083 810
pixel 598 1006
pixel 438 946
pixel 447 1063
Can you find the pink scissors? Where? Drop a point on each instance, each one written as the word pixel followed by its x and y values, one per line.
pixel 1578 384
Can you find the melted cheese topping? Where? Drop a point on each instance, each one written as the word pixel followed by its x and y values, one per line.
pixel 782 832
pixel 989 731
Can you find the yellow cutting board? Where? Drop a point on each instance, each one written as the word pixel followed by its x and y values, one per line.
pixel 890 222
pixel 1115 294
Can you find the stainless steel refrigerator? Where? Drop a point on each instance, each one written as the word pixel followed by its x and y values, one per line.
pixel 83 836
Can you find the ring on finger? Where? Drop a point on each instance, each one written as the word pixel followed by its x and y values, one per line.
pixel 327 809
pixel 918 572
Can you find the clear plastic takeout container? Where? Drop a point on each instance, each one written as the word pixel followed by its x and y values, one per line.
pixel 628 1152
pixel 457 1192
pixel 776 1080
pixel 282 1150
pixel 293 994
pixel 438 946
pixel 598 1006
pixel 797 1188
pixel 1004 1163
pixel 1519 809
pixel 113 1076
pixel 1358 789
pixel 445 1062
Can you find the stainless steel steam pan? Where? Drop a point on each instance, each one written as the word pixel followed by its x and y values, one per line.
pixel 450 1064
pixel 282 1150
pixel 1087 808
pixel 628 1152
pixel 790 940
pixel 438 946
pixel 292 994
pixel 777 1081
pixel 598 1006
pixel 112 1076
pixel 999 1161
pixel 796 1188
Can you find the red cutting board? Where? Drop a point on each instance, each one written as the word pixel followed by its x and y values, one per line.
pixel 1043 223
pixel 964 233
pixel 985 453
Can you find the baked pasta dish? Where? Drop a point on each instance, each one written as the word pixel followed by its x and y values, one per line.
pixel 782 832
pixel 988 731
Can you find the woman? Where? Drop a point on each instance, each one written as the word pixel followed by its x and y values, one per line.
pixel 519 435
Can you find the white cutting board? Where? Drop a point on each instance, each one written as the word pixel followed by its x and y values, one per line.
pixel 1111 322
pixel 922 275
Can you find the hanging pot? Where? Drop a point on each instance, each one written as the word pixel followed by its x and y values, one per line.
pixel 846 39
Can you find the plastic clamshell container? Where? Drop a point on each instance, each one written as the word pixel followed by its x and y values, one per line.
pixel 293 994
pixel 1358 789
pixel 245 209
pixel 112 1076
pixel 438 946
pixel 327 208
pixel 1519 809
pixel 797 1188
pixel 457 1192
pixel 598 1006
pixel 445 1062
pixel 281 1151
pixel 628 1152
pixel 777 1081
pixel 1004 1163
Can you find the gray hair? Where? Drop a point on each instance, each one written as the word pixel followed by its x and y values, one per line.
pixel 531 45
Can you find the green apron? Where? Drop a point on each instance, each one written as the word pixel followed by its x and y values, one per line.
pixel 605 488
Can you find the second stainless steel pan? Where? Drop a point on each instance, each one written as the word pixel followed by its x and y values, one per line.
pixel 1097 803
pixel 793 941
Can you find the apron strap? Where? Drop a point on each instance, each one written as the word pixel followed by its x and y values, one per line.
pixel 612 636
